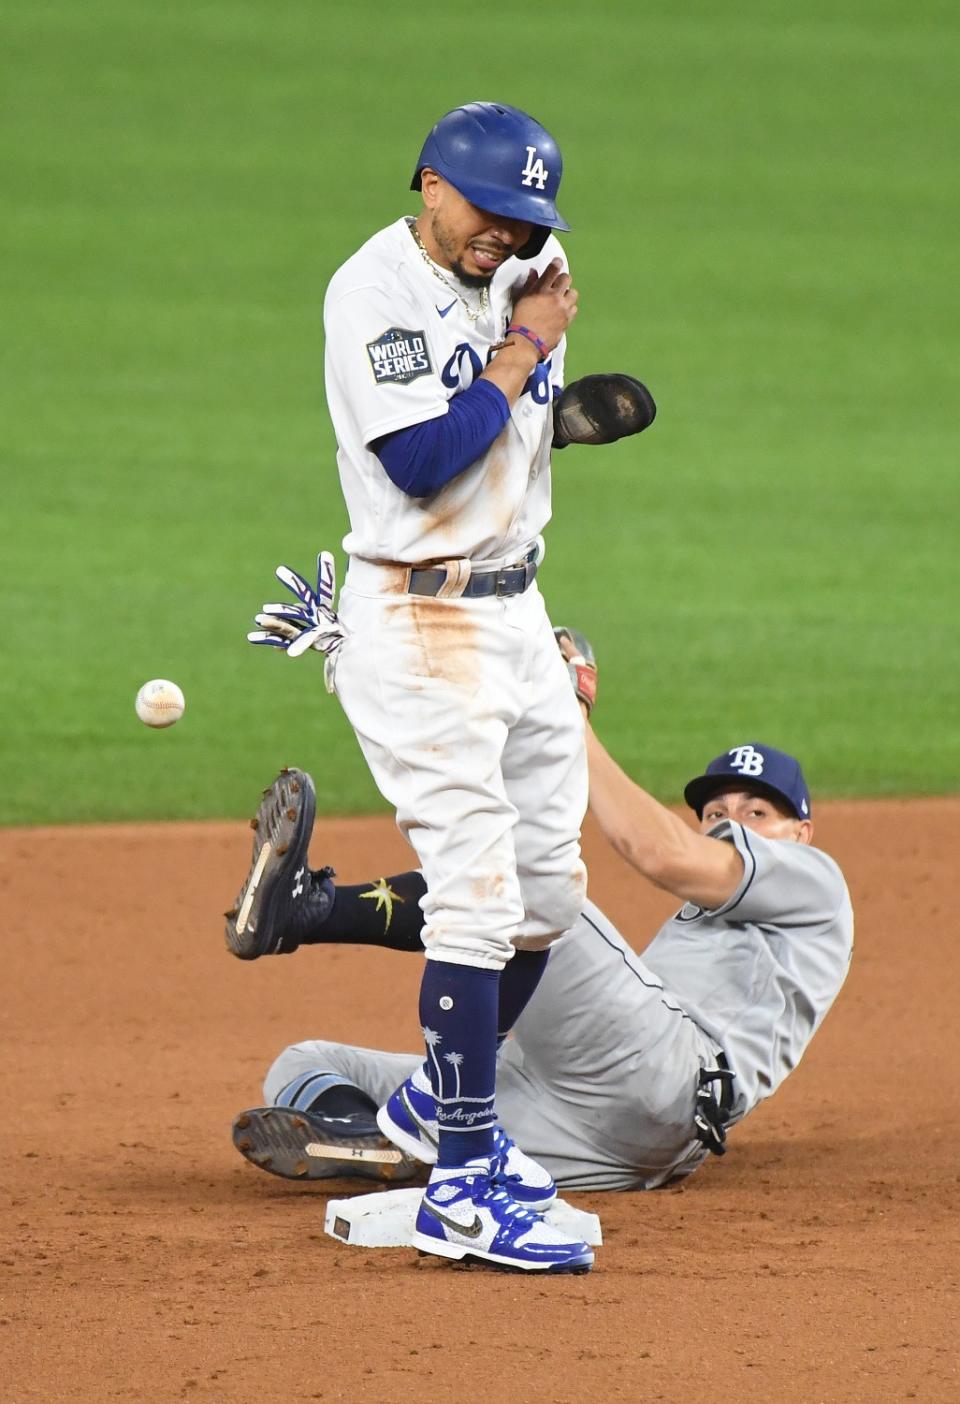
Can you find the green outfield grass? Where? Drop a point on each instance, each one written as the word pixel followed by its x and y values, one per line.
pixel 765 208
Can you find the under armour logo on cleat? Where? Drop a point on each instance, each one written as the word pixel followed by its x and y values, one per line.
pixel 298 882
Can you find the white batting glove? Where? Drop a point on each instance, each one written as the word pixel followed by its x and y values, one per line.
pixel 313 623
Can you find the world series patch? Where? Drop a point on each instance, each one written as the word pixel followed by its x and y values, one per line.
pixel 399 356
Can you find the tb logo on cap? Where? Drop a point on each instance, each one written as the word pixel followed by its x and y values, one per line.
pixel 747 760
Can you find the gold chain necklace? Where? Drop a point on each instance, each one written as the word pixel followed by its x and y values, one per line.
pixel 484 295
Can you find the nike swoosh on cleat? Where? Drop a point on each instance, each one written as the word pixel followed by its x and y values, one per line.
pixel 473 1230
pixel 444 310
pixel 421 1126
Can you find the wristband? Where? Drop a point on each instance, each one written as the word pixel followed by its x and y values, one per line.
pixel 585 685
pixel 531 336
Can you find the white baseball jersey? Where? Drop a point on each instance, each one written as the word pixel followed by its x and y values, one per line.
pixel 399 345
pixel 760 973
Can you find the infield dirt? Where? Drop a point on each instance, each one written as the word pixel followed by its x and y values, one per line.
pixel 142 1259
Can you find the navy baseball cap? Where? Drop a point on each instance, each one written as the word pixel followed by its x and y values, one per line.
pixel 757 765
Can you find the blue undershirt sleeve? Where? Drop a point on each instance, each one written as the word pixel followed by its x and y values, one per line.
pixel 420 459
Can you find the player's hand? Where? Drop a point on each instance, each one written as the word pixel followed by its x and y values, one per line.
pixel 312 622
pixel 581 664
pixel 548 305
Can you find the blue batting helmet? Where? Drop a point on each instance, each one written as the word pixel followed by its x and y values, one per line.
pixel 502 160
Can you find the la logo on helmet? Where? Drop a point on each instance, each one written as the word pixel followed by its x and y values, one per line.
pixel 534 170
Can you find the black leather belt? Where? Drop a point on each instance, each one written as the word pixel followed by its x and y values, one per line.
pixel 510 580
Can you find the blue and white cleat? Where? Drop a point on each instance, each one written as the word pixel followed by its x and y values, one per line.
pixel 409 1119
pixel 465 1216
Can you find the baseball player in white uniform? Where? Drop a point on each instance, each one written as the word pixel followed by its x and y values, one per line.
pixel 624 1071
pixel 445 339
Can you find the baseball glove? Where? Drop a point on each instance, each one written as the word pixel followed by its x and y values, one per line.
pixel 581 664
pixel 600 409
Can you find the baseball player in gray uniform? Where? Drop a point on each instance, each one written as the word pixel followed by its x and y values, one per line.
pixel 445 340
pixel 624 1071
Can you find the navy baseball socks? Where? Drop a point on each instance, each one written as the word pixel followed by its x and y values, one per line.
pixel 519 979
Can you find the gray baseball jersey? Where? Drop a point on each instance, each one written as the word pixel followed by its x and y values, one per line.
pixel 759 973
pixel 599 1081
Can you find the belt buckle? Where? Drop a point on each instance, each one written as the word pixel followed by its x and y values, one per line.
pixel 515 580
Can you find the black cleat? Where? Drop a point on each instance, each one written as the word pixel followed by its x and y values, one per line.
pixel 305 1145
pixel 281 898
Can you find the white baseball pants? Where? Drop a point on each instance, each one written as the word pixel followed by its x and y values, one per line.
pixel 464 711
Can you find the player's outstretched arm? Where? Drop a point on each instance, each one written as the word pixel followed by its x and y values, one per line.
pixel 656 842
pixel 650 837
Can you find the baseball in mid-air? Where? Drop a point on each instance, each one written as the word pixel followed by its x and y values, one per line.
pixel 160 703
